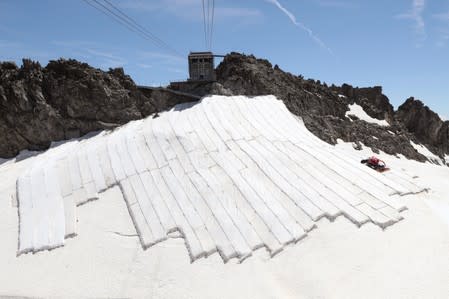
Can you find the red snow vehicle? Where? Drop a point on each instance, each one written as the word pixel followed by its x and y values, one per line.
pixel 376 164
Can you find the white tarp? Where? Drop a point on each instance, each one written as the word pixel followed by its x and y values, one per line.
pixel 230 174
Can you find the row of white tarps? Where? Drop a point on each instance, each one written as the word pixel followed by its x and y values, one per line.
pixel 231 174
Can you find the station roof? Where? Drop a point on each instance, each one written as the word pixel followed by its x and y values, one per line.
pixel 200 54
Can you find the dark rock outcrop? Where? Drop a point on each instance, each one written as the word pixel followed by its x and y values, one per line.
pixel 77 91
pixel 200 89
pixel 247 75
pixel 322 108
pixel 426 126
pixel 373 101
pixel 67 99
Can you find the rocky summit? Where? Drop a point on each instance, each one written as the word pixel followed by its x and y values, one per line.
pixel 425 125
pixel 323 108
pixel 68 99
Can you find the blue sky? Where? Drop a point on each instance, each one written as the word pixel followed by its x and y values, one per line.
pixel 402 45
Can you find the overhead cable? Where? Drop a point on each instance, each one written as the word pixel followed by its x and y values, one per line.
pixel 107 8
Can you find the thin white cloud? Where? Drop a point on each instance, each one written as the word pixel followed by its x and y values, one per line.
pixel 293 19
pixel 416 15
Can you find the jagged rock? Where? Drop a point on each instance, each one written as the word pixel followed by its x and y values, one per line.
pixel 78 91
pixel 66 99
pixel 321 107
pixel 247 75
pixel 426 125
pixel 164 98
pixel 200 89
pixel 373 101
pixel 357 146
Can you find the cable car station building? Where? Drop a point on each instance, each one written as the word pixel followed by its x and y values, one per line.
pixel 201 66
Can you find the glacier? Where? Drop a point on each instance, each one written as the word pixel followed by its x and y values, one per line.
pixel 230 174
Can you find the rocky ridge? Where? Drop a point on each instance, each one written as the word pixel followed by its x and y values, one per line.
pixel 426 126
pixel 323 108
pixel 68 99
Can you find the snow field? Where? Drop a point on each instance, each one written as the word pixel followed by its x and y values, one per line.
pixel 231 174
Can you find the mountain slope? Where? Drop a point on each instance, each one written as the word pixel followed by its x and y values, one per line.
pixel 68 99
pixel 323 108
pixel 230 174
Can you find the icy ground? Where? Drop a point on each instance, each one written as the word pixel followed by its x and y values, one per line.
pixel 338 260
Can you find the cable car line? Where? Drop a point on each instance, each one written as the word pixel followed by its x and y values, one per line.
pixel 208 21
pixel 110 10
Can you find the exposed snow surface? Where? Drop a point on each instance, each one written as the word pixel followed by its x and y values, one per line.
pixel 427 153
pixel 357 110
pixel 230 174
pixel 338 260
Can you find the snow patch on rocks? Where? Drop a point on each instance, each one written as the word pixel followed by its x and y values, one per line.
pixel 427 153
pixel 358 111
